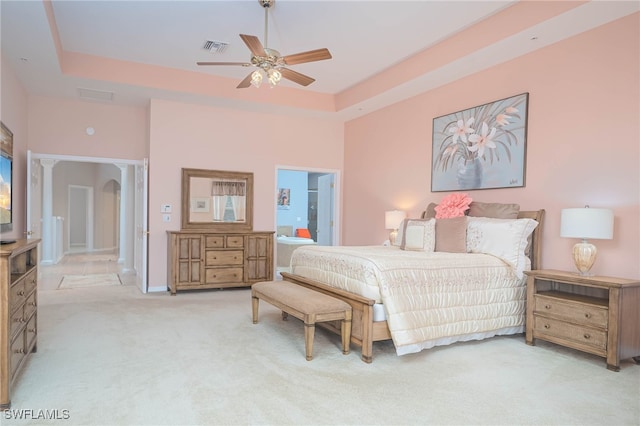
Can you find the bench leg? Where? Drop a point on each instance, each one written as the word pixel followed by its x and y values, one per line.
pixel 285 316
pixel 254 308
pixel 346 336
pixel 309 332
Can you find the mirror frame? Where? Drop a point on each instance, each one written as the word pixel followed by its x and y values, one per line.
pixel 187 174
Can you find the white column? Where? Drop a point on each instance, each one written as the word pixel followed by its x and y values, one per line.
pixel 124 183
pixel 47 210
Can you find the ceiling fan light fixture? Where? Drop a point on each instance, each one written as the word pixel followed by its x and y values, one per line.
pixel 274 76
pixel 256 78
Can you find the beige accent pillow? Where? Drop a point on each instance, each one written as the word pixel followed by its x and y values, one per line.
pixel 503 238
pixel 494 210
pixel 451 235
pixel 419 235
pixel 430 212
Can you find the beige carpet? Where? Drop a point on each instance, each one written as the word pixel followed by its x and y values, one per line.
pixel 89 280
pixel 112 356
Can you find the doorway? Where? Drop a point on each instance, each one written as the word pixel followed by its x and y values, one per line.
pixel 312 205
pixel 113 189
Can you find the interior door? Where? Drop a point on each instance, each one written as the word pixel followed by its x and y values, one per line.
pixel 141 225
pixel 34 197
pixel 325 210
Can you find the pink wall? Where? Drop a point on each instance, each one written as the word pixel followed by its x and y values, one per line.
pixel 13 113
pixel 57 126
pixel 583 144
pixel 195 136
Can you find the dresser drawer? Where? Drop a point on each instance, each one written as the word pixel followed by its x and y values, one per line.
pixel 224 258
pixel 18 295
pixel 16 353
pixel 214 241
pixel 569 310
pixel 223 275
pixel 235 241
pixel 30 305
pixel 30 282
pixel 31 332
pixel 567 331
pixel 17 321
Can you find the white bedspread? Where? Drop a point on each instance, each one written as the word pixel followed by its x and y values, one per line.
pixel 430 298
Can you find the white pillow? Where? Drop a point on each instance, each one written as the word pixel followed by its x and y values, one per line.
pixel 503 238
pixel 419 235
pixel 400 236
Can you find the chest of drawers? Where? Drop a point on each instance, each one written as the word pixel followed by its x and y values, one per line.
pixel 599 315
pixel 200 260
pixel 18 311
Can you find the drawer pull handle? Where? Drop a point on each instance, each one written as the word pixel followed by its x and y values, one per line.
pixel 21 293
pixel 547 326
pixel 32 330
pixel 20 320
pixel 587 315
pixel 547 306
pixel 587 336
pixel 32 303
pixel 19 351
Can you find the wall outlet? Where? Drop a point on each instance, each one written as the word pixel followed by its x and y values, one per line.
pixel 166 218
pixel 165 208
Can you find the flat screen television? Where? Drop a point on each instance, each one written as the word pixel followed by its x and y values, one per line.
pixel 6 179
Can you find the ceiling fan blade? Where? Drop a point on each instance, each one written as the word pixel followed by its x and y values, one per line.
pixel 244 64
pixel 296 77
pixel 310 56
pixel 253 44
pixel 245 83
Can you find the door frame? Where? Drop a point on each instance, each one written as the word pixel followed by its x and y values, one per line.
pixel 337 182
pixel 32 221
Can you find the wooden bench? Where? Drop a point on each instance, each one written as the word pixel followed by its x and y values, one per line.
pixel 305 304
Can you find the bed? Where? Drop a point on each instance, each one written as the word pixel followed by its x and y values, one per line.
pixel 425 298
pixel 286 243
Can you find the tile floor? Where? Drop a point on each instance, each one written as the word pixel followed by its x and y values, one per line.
pixel 82 264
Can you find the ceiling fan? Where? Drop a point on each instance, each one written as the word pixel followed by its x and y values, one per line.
pixel 269 62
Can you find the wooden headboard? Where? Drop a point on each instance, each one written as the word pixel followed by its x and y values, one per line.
pixel 535 248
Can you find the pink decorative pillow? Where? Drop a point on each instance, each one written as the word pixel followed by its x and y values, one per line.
pixel 453 205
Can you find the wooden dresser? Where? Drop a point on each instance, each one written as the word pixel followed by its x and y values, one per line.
pixel 203 260
pixel 599 315
pixel 18 311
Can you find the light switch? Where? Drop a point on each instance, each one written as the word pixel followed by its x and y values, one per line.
pixel 165 208
pixel 166 218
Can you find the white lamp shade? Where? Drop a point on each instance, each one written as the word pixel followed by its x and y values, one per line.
pixel 393 219
pixel 587 223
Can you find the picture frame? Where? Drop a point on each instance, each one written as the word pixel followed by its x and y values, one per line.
pixel 200 204
pixel 483 147
pixel 284 198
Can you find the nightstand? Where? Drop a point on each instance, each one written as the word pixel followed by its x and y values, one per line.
pixel 599 315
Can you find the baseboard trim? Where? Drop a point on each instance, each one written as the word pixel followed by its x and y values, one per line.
pixel 157 289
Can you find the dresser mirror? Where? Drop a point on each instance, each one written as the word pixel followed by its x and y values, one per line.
pixel 217 200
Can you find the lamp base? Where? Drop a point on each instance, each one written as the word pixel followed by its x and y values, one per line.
pixel 584 256
pixel 393 235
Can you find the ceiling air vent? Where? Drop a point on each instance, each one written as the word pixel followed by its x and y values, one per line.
pixel 95 95
pixel 215 46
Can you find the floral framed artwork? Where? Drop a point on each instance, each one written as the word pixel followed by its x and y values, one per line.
pixel 482 147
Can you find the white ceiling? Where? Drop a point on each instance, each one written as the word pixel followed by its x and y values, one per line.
pixel 364 37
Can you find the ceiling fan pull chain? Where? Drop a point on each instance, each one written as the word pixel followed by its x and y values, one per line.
pixel 266 26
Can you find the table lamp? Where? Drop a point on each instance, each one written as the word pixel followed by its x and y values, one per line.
pixel 586 223
pixel 392 220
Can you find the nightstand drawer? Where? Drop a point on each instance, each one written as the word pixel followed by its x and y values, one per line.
pixel 573 311
pixel 575 333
